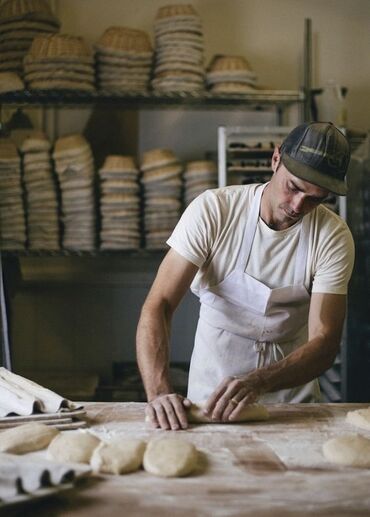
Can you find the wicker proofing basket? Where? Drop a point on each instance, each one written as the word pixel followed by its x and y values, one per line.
pixel 13 10
pixel 125 39
pixel 56 47
pixel 168 11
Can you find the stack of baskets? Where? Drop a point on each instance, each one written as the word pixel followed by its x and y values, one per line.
pixel 59 62
pixel 179 46
pixel 124 60
pixel 119 204
pixel 20 22
pixel 230 74
pixel 12 221
pixel 74 165
pixel 42 203
pixel 162 185
pixel 199 176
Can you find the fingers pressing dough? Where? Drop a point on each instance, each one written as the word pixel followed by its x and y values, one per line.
pixel 170 457
pixel 119 456
pixel 352 450
pixel 252 412
pixel 72 446
pixel 27 438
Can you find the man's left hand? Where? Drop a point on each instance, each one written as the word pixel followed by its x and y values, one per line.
pixel 233 395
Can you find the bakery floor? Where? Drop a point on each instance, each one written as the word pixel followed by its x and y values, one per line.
pixel 273 468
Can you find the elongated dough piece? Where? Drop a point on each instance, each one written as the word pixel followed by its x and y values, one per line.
pixel 352 450
pixel 253 412
pixel 360 418
pixel 27 438
pixel 170 457
pixel 119 456
pixel 73 446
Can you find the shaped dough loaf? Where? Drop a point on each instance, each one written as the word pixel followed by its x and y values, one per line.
pixel 73 446
pixel 352 450
pixel 118 456
pixel 170 457
pixel 252 412
pixel 359 418
pixel 27 438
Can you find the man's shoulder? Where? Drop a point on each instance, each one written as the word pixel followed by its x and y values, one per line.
pixel 331 226
pixel 231 194
pixel 326 216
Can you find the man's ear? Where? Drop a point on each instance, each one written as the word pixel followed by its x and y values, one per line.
pixel 275 160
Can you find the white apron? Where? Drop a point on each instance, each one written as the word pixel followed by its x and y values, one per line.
pixel 244 325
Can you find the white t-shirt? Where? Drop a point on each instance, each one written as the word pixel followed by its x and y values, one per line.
pixel 210 232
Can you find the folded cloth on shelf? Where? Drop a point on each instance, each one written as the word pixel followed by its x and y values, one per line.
pixel 22 396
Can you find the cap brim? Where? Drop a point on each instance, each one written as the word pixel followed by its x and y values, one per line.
pixel 304 172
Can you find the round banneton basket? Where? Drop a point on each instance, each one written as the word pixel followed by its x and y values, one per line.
pixel 59 47
pixel 124 40
pixel 21 10
pixel 157 158
pixel 178 10
pixel 118 163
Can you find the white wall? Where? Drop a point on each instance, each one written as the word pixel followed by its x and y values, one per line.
pixel 85 328
pixel 269 33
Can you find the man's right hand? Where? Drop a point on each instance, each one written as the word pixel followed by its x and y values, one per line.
pixel 168 412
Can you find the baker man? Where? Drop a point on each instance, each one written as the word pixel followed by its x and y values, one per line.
pixel 270 264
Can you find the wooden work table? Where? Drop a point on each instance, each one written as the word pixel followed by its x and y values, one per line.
pixel 272 468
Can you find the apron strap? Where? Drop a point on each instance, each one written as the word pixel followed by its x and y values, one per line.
pixel 302 251
pixel 250 228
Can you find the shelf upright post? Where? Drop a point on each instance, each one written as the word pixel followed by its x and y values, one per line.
pixel 222 156
pixel 5 341
pixel 307 69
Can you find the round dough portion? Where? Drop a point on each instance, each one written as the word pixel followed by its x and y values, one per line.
pixel 352 450
pixel 118 456
pixel 170 457
pixel 252 412
pixel 359 418
pixel 27 438
pixel 73 446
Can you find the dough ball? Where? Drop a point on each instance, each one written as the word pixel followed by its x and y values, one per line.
pixel 73 446
pixel 27 438
pixel 352 450
pixel 118 456
pixel 170 457
pixel 249 413
pixel 360 418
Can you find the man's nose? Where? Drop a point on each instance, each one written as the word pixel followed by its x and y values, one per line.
pixel 297 203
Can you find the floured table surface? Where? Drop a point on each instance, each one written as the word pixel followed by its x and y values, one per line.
pixel 273 468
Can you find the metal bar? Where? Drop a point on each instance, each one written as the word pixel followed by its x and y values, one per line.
pixel 307 68
pixel 222 179
pixel 5 341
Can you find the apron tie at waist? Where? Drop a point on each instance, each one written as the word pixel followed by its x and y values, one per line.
pixel 263 348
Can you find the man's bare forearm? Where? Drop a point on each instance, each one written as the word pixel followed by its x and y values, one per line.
pixel 301 366
pixel 152 349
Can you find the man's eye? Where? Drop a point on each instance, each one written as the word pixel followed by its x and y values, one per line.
pixel 292 189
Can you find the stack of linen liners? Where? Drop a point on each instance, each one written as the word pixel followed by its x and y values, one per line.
pixel 59 61
pixel 179 49
pixel 74 165
pixel 41 195
pixel 20 22
pixel 124 60
pixel 119 204
pixel 12 221
pixel 230 74
pixel 162 186
pixel 199 176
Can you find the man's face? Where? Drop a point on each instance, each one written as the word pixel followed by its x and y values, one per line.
pixel 290 198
